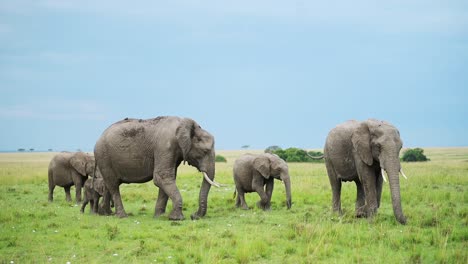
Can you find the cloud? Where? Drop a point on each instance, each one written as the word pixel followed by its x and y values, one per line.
pixel 55 109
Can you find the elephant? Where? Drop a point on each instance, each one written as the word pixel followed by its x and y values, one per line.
pixel 67 169
pixel 137 151
pixel 362 152
pixel 256 173
pixel 94 189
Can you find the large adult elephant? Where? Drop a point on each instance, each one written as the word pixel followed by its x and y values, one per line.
pixel 361 152
pixel 137 151
pixel 67 169
pixel 256 173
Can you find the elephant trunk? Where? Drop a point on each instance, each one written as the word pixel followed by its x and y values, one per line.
pixel 393 176
pixel 287 185
pixel 209 173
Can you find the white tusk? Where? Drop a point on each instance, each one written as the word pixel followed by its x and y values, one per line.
pixel 403 174
pixel 383 175
pixel 210 181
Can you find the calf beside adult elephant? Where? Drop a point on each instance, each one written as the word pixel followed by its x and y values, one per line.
pixel 362 152
pixel 67 169
pixel 256 173
pixel 137 151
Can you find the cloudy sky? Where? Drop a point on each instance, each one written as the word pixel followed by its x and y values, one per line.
pixel 255 73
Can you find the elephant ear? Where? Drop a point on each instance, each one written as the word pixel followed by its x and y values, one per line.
pixel 78 162
pixel 184 135
pixel 262 165
pixel 361 142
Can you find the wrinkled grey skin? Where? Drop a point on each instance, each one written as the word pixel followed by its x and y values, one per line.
pixel 137 151
pixel 67 169
pixel 256 173
pixel 356 151
pixel 94 189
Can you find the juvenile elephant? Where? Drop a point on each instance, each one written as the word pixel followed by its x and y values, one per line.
pixel 137 151
pixel 94 189
pixel 67 169
pixel 361 152
pixel 256 173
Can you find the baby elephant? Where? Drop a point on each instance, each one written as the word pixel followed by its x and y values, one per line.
pixel 94 189
pixel 255 173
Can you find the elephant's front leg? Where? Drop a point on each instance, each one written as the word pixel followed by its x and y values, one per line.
pixel 368 179
pixel 104 208
pixel 360 200
pixel 258 187
pixel 165 179
pixel 270 184
pixel 161 203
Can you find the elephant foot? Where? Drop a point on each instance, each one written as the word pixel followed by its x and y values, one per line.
pixel 195 216
pixel 121 214
pixel 158 213
pixel 104 211
pixel 176 216
pixel 264 207
pixel 361 212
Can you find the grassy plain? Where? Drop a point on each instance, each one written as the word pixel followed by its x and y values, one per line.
pixel 434 199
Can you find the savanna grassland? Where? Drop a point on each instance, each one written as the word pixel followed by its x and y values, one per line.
pixel 434 199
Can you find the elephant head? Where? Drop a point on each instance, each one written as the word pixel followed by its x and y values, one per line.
pixel 271 165
pixel 83 163
pixel 378 141
pixel 197 147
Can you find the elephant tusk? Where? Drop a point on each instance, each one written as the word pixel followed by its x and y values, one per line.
pixel 383 175
pixel 403 174
pixel 210 181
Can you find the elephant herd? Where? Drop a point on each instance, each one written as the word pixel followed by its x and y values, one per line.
pixel 137 151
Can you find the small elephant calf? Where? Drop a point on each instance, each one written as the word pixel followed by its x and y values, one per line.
pixel 255 173
pixel 94 189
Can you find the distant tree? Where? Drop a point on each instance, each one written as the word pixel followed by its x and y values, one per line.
pixel 78 150
pixel 220 158
pixel 31 149
pixel 272 149
pixel 21 149
pixel 416 154
pixel 297 155
pixel 245 146
pixel 50 150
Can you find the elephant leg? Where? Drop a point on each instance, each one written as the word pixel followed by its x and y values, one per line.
pixel 335 184
pixel 51 192
pixel 161 203
pixel 77 181
pixel 85 202
pixel 67 193
pixel 368 180
pixel 269 192
pixel 165 179
pixel 360 200
pixel 104 207
pixel 263 198
pixel 241 198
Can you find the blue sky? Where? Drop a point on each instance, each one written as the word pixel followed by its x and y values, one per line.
pixel 255 73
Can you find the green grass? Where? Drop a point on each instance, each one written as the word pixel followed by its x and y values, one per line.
pixel 434 199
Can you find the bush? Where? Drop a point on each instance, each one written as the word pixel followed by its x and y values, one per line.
pixel 296 155
pixel 416 154
pixel 220 158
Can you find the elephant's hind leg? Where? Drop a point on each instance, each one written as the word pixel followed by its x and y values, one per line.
pixel 51 192
pixel 67 193
pixel 241 197
pixel 336 188
pixel 161 203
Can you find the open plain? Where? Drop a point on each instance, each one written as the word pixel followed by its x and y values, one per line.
pixel 434 199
